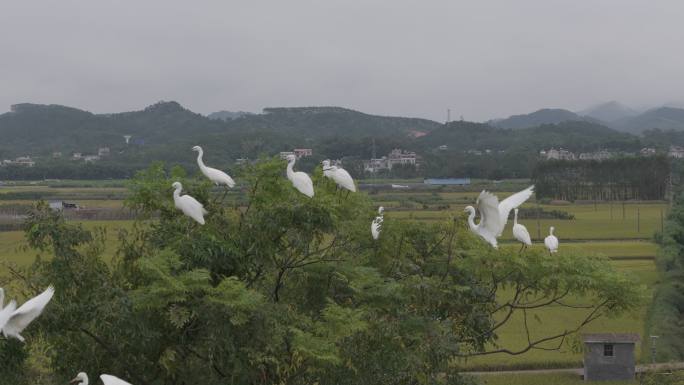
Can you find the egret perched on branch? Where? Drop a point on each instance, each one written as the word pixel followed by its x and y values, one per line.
pixel 20 318
pixel 494 215
pixel 187 204
pixel 82 379
pixel 339 175
pixel 217 176
pixel 376 225
pixel 300 180
pixel 520 232
pixel 551 242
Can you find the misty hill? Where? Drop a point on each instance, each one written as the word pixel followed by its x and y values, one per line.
pixel 664 118
pixel 228 115
pixel 537 118
pixel 609 112
pixel 572 135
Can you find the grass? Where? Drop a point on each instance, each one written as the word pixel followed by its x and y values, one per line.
pixel 542 379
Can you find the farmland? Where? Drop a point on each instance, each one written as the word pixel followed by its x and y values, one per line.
pixel 621 231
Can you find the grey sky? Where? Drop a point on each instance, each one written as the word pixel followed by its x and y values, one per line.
pixel 482 59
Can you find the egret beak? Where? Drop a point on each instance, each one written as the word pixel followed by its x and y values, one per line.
pixel 75 381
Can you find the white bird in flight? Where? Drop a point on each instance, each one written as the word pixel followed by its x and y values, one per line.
pixel 13 322
pixel 82 379
pixel 551 242
pixel 187 204
pixel 339 175
pixel 494 215
pixel 217 176
pixel 376 225
pixel 520 232
pixel 300 180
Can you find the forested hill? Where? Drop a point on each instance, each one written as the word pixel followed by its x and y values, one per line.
pixel 165 127
pixel 571 135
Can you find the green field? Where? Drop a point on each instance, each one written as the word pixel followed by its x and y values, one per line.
pixel 597 229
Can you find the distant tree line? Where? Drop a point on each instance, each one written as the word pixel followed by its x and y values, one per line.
pixel 642 178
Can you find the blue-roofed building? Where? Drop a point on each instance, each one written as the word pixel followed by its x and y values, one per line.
pixel 448 181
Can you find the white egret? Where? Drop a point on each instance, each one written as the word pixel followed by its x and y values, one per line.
pixel 376 225
pixel 187 204
pixel 25 314
pixel 339 175
pixel 217 176
pixel 300 180
pixel 520 232
pixel 6 313
pixel 551 242
pixel 82 379
pixel 494 215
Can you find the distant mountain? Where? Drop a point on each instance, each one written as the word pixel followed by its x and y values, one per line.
pixel 571 135
pixel 537 118
pixel 608 112
pixel 664 118
pixel 228 115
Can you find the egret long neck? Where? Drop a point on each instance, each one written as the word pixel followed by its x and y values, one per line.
pixel 471 220
pixel 290 171
pixel 200 162
pixel 2 298
pixel 551 231
pixel 515 218
pixel 176 193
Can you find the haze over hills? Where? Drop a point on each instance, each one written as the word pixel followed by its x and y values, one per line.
pixel 539 117
pixel 609 111
pixel 611 114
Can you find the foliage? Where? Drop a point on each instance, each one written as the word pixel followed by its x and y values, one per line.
pixel 291 290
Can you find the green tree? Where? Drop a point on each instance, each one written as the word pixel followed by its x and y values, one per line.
pixel 282 289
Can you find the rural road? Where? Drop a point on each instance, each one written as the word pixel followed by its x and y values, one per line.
pixel 580 371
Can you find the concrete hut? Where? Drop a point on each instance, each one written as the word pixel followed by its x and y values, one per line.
pixel 609 356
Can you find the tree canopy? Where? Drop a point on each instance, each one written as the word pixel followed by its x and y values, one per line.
pixel 283 289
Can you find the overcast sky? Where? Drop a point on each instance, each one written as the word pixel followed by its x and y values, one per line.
pixel 482 59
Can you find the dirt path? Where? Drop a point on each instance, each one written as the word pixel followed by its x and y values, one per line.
pixel 579 371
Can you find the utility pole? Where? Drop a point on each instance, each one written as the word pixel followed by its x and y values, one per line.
pixel 653 349
pixel 448 115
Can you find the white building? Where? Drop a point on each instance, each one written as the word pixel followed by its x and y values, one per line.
pixel 24 161
pixel 302 152
pixel 596 155
pixel 557 154
pixel 103 151
pixel 396 157
pixel 676 152
pixel 285 154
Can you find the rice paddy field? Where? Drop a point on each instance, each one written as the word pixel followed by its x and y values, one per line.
pixel 621 231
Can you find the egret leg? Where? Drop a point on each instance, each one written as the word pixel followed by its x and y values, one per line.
pixel 347 196
pixel 521 248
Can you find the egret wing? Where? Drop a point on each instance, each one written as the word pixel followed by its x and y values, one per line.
pixel 192 208
pixel 6 313
pixel 28 312
pixel 510 203
pixel 220 177
pixel 303 183
pixel 488 204
pixel 343 179
pixel 112 380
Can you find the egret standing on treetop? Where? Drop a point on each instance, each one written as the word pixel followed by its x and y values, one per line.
pixel 520 232
pixel 339 175
pixel 24 315
pixel 187 204
pixel 82 379
pixel 300 180
pixel 494 215
pixel 551 242
pixel 376 225
pixel 217 176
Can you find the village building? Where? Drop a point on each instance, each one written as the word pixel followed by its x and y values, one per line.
pixel 557 154
pixel 302 152
pixel 609 356
pixel 103 151
pixel 676 152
